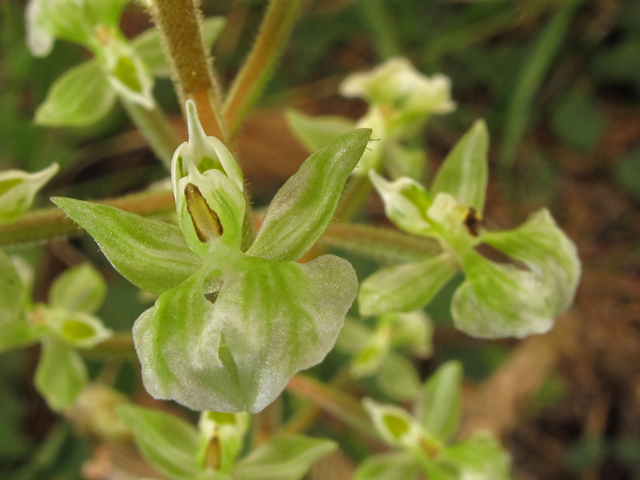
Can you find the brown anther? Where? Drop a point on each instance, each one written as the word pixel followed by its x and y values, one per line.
pixel 472 222
pixel 205 221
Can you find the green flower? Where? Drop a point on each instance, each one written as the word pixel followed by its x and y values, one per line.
pixel 66 323
pixel 423 440
pixel 18 189
pixel 401 100
pixel 231 327
pixel 496 299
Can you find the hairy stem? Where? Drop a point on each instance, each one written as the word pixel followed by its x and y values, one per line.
pixel 179 24
pixel 156 129
pixel 257 69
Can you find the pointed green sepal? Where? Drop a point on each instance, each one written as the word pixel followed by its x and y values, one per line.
pixel 481 457
pixel 61 374
pixel 150 254
pixel 398 378
pixel 407 287
pixel 301 210
pixel 464 172
pixel 439 406
pixel 81 96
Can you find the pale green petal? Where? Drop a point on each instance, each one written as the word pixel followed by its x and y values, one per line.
pixel 499 300
pixel 405 203
pixel 316 133
pixel 61 374
pixel 407 287
pixel 150 254
pixel 389 466
pixel 79 289
pixel 50 19
pixel 81 96
pixel 18 189
pixel 372 157
pixel 167 442
pixel 548 252
pixel 284 457
pixel 269 321
pixel 464 172
pixel 439 405
pixel 367 360
pixel 301 210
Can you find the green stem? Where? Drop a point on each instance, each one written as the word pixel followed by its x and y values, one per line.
pixel 381 244
pixel 274 33
pixel 156 129
pixel 52 223
pixel 179 23
pixel 356 194
pixel 334 401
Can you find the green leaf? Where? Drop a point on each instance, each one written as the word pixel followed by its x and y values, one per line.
pixel 81 96
pixel 406 203
pixel 481 457
pixel 79 289
pixel 304 206
pixel 316 133
pixel 398 378
pixel 547 251
pixel 12 293
pixel 167 442
pixel 269 321
pixel 407 287
pixel 77 328
pixel 464 172
pixel 150 254
pixel 149 46
pixel 439 407
pixel 389 466
pixel 18 189
pixel 61 374
pixel 285 457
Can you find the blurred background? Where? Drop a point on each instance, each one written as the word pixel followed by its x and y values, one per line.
pixel 558 83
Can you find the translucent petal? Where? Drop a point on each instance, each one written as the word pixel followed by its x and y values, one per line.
pixel 18 189
pixel 79 289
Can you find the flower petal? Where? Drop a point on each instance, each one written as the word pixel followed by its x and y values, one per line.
pixel 407 287
pixel 269 321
